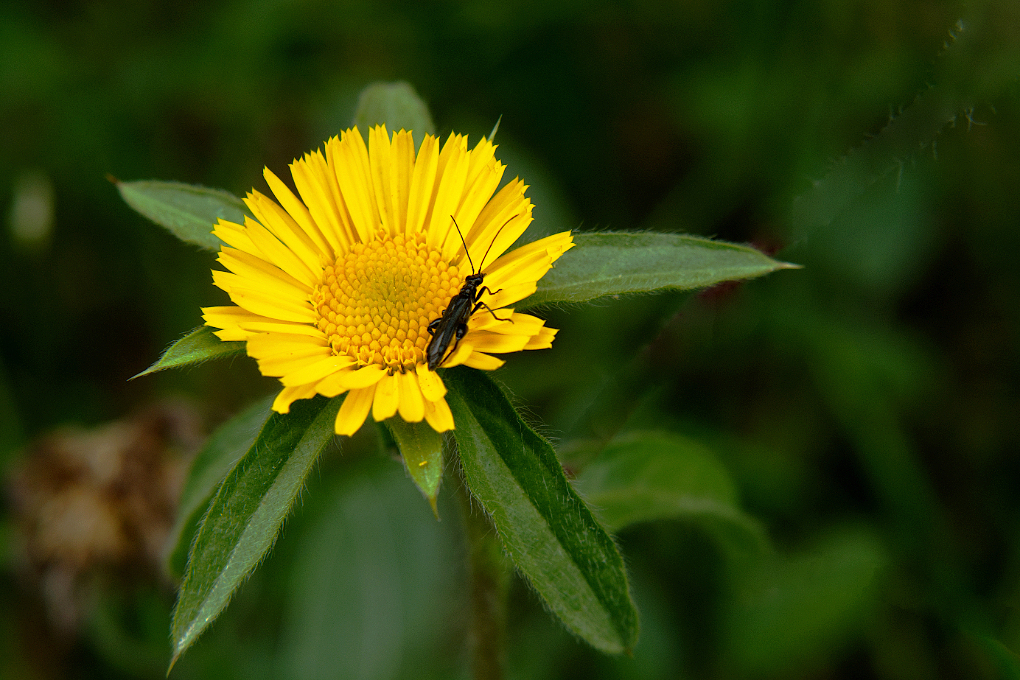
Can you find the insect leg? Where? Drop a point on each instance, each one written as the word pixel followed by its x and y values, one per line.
pixel 458 334
pixel 480 304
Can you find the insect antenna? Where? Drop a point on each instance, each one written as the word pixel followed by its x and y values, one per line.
pixel 491 243
pixel 466 251
pixel 494 240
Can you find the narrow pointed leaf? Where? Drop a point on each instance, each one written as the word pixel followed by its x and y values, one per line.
pixel 395 105
pixel 189 212
pixel 604 264
pixel 647 476
pixel 197 346
pixel 544 525
pixel 221 452
pixel 422 450
pixel 246 514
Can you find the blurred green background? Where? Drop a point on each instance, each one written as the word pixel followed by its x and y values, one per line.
pixel 867 406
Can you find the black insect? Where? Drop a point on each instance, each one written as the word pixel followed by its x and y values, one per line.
pixel 452 325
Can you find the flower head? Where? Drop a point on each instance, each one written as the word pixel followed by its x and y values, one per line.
pixel 335 291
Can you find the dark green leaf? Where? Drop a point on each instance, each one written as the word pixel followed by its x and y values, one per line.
pixel 188 211
pixel 604 264
pixel 373 581
pixel 395 105
pixel 422 450
pixel 222 450
pixel 546 528
pixel 197 346
pixel 247 512
pixel 655 475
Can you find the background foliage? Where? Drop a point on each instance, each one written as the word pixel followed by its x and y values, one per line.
pixel 865 406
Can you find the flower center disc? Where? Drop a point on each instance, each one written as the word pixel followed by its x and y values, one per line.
pixel 376 301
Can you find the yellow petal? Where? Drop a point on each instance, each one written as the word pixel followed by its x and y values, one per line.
pixel 518 323
pixel 508 295
pixel 278 344
pixel 386 398
pixel 500 223
pixel 507 202
pixel 282 327
pixel 280 354
pixel 252 267
pixel 551 246
pixel 334 153
pixel 289 219
pixel 353 172
pixel 483 177
pixel 437 414
pixel 491 239
pixel 236 236
pixel 401 172
pixel 354 410
pixel 315 371
pixel 288 395
pixel 500 343
pixel 432 387
pixel 317 186
pixel 483 362
pixel 275 251
pixel 412 404
pixel 258 302
pixel 462 352
pixel 522 269
pixel 272 288
pixel 452 173
pixel 379 161
pixel 232 321
pixel 281 365
pixel 525 265
pixel 363 377
pixel 423 179
pixel 542 340
pixel 391 167
pixel 333 385
pixel 231 334
pixel 483 319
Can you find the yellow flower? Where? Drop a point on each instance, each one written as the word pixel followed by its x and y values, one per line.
pixel 334 292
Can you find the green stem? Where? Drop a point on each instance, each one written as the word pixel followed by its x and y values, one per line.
pixel 490 578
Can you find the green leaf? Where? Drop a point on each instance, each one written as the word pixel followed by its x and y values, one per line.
pixel 422 450
pixel 395 105
pixel 646 476
pixel 792 609
pixel 222 450
pixel 373 577
pixel 188 211
pixel 247 512
pixel 604 264
pixel 546 528
pixel 197 346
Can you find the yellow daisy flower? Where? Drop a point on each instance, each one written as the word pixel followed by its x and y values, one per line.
pixel 334 292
